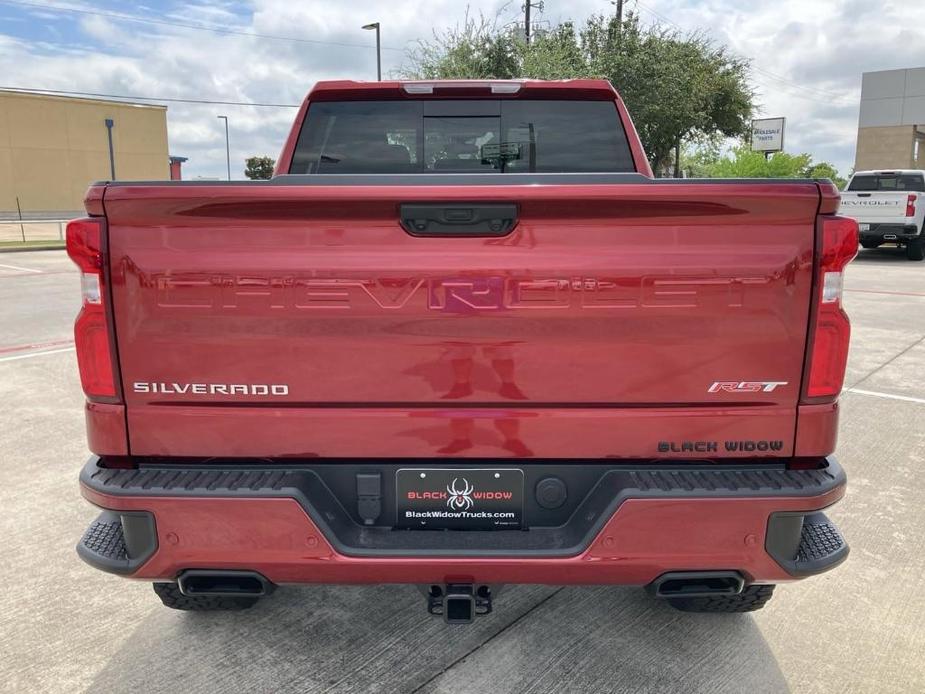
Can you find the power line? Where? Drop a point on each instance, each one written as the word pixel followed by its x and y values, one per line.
pixel 815 91
pixel 187 25
pixel 658 15
pixel 146 98
pixel 811 92
pixel 767 73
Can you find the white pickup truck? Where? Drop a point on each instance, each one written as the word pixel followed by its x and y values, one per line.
pixel 889 207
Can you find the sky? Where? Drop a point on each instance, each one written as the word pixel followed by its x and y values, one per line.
pixel 807 56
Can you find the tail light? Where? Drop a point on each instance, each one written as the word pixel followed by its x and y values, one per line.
pixel 91 329
pixel 910 206
pixel 830 329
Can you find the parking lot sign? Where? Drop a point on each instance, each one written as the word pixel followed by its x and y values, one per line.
pixel 768 134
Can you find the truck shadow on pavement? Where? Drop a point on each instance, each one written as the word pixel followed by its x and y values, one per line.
pixel 380 639
pixel 884 254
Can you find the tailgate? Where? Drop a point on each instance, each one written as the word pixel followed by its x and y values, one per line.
pixel 621 320
pixel 873 206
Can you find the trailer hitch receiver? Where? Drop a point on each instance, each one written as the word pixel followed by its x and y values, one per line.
pixel 459 602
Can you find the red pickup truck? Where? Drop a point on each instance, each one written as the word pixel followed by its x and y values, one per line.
pixel 463 339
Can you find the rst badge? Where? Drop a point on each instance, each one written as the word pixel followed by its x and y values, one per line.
pixel 745 386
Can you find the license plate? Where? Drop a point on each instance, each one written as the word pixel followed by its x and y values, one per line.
pixel 457 499
pixel 863 227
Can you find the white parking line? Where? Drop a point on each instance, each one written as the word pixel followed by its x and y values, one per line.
pixel 887 396
pixel 29 355
pixel 21 269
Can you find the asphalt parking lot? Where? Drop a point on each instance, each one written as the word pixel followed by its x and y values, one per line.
pixel 65 627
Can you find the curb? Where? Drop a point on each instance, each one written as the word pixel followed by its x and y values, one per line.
pixel 26 249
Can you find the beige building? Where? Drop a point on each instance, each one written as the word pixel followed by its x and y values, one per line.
pixel 53 147
pixel 891 126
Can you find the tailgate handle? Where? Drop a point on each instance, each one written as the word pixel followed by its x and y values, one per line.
pixel 458 219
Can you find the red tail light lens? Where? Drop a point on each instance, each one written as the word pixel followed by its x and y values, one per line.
pixel 910 206
pixel 831 329
pixel 91 329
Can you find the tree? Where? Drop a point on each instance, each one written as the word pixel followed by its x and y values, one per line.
pixel 698 156
pixel 707 161
pixel 743 162
pixel 824 170
pixel 677 87
pixel 259 168
pixel 479 49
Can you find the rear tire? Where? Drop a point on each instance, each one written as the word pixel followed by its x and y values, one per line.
pixel 750 599
pixel 915 250
pixel 170 595
pixel 870 244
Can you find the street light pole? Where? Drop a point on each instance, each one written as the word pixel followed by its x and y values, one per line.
pixel 369 27
pixel 112 154
pixel 227 146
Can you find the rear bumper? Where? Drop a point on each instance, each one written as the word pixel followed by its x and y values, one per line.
pixel 634 524
pixel 889 232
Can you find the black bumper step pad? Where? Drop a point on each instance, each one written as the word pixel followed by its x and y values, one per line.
pixel 819 540
pixel 805 544
pixel 119 542
pixel 104 538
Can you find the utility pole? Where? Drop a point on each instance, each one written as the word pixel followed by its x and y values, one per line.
pixel 619 16
pixel 618 21
pixel 527 6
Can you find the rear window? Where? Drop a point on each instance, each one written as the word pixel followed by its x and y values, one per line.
pixel 460 136
pixel 898 182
